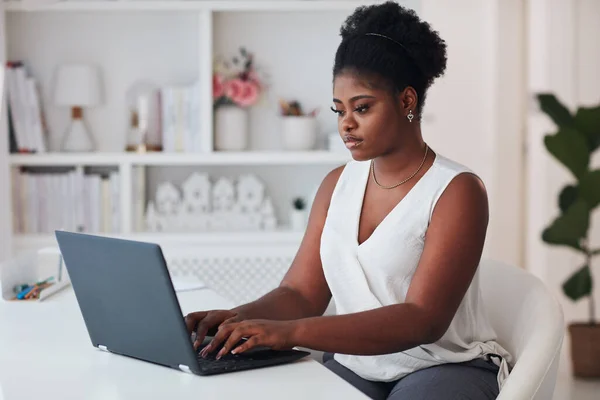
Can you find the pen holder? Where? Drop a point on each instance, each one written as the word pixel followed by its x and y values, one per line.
pixel 31 267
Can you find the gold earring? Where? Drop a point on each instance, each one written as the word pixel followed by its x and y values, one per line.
pixel 410 116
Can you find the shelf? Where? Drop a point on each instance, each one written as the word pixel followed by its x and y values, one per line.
pixel 181 159
pixel 190 5
pixel 277 237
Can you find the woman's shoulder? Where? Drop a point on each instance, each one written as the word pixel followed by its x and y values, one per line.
pixel 450 165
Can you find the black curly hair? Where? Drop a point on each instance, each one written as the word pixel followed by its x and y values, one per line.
pixel 411 55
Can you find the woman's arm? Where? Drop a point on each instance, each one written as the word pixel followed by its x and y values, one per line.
pixel 303 291
pixel 451 254
pixel 453 248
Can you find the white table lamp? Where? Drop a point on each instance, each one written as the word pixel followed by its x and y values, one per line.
pixel 77 86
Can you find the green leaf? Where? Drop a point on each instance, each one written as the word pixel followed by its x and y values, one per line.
pixel 567 197
pixel 570 148
pixel 587 121
pixel 569 228
pixel 579 284
pixel 555 110
pixel 589 187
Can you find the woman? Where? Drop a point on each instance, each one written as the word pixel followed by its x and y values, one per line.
pixel 395 237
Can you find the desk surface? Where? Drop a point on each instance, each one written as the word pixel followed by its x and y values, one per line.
pixel 45 353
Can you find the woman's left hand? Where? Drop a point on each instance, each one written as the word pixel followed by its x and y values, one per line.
pixel 276 335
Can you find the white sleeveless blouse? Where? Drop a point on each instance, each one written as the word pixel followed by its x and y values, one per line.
pixel 378 272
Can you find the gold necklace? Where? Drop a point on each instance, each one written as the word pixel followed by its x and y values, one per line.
pixel 404 181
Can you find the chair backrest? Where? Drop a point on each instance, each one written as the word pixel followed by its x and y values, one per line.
pixel 529 323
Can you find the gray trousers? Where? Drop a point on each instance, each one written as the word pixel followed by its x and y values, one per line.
pixel 473 380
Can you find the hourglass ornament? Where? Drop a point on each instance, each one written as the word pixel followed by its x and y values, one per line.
pixel 144 132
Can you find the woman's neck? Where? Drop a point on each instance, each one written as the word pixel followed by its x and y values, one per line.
pixel 403 161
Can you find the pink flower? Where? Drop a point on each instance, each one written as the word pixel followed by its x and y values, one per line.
pixel 243 93
pixel 218 86
pixel 233 88
pixel 249 94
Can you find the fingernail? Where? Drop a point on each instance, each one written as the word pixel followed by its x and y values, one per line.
pixel 233 351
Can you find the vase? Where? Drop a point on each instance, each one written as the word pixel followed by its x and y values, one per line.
pixel 231 128
pixel 298 220
pixel 585 350
pixel 299 133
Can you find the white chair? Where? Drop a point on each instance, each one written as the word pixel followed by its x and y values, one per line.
pixel 529 323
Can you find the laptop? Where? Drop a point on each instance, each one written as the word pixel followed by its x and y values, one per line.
pixel 129 306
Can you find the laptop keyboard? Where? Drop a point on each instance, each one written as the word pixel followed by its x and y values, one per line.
pixel 253 358
pixel 229 362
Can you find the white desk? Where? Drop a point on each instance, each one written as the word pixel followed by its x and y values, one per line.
pixel 45 353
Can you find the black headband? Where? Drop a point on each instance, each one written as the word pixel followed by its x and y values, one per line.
pixel 388 38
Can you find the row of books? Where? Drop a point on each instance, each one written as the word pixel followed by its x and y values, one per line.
pixel 180 118
pixel 44 202
pixel 26 121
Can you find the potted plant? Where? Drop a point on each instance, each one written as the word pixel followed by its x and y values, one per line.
pixel 236 87
pixel 298 214
pixel 299 129
pixel 577 138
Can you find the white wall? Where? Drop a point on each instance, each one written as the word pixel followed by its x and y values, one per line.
pixel 478 118
pixel 564 59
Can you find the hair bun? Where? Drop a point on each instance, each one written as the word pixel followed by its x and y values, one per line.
pixel 423 45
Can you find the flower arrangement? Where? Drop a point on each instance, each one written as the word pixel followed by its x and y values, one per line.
pixel 236 81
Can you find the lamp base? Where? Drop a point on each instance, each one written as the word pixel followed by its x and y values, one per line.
pixel 77 138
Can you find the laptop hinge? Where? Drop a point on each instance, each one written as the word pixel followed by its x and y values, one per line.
pixel 103 348
pixel 185 368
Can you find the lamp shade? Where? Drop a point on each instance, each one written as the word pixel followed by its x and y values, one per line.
pixel 77 85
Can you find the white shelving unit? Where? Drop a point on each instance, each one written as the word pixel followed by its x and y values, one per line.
pixel 186 159
pixel 194 31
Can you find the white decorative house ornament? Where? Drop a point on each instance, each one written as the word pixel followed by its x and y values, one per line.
pixel 168 199
pixel 223 206
pixel 223 195
pixel 197 193
pixel 250 193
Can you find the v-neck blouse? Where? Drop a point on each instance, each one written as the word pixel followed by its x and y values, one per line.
pixel 378 272
pixel 391 215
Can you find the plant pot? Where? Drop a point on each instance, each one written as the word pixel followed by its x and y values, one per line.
pixel 585 350
pixel 299 133
pixel 231 128
pixel 298 220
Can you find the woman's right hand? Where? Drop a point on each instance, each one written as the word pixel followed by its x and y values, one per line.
pixel 203 321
